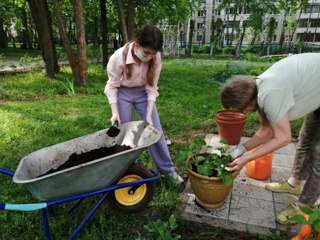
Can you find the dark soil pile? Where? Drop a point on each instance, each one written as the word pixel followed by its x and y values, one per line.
pixel 113 131
pixel 77 159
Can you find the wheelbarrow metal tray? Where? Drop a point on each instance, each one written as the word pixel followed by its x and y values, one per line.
pixel 90 176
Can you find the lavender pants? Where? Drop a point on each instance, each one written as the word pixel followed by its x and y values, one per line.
pixel 137 98
pixel 307 160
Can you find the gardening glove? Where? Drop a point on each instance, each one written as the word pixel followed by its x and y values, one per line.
pixel 115 114
pixel 149 112
pixel 239 151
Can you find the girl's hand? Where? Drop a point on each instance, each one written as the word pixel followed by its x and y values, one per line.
pixel 149 120
pixel 114 118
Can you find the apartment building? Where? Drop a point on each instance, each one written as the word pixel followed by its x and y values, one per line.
pixel 308 28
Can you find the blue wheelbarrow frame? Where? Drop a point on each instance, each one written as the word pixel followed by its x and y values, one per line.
pixel 44 205
pixel 100 176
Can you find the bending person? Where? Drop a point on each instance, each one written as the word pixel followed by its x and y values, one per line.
pixel 288 90
pixel 133 72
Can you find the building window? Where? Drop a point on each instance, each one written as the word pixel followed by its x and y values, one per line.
pixel 217 12
pixel 201 13
pixel 315 23
pixel 199 38
pixel 200 26
pixel 233 11
pixel 274 38
pixel 313 9
pixel 303 23
pixel 316 9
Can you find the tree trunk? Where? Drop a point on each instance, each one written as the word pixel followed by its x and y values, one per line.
pixel 104 33
pixel 239 43
pixel 78 63
pixel 130 20
pixel 2 35
pixel 25 33
pixel 191 29
pixel 233 25
pixel 295 29
pixel 212 36
pixel 226 23
pixel 253 40
pixel 122 20
pixel 82 77
pixel 44 28
pixel 283 29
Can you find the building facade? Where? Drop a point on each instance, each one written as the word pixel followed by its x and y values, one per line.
pixel 307 30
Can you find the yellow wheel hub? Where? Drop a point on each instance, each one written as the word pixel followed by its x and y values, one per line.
pixel 122 195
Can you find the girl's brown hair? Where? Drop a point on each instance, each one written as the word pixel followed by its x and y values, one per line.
pixel 149 37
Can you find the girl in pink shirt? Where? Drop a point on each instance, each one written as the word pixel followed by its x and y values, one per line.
pixel 133 72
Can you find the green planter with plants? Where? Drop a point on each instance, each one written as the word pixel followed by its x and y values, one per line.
pixel 310 230
pixel 210 181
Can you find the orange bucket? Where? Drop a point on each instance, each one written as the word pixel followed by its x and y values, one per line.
pixel 260 168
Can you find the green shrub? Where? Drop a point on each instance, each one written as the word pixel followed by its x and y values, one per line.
pixel 251 49
pixel 229 50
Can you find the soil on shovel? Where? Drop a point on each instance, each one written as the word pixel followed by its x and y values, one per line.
pixel 77 159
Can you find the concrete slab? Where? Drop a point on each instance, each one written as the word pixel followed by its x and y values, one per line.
pixel 252 211
pixel 249 206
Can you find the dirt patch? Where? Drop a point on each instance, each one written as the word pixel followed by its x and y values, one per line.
pixel 77 159
pixel 186 137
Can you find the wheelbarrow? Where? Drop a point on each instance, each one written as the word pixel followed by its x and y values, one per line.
pixel 128 186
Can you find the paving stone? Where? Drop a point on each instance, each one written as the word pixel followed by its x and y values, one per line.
pixel 252 188
pixel 285 198
pixel 282 160
pixel 221 213
pixel 279 174
pixel 290 149
pixel 252 211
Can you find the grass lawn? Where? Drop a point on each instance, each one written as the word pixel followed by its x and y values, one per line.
pixel 36 112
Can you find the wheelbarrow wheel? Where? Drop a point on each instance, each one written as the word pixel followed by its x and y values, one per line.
pixel 124 201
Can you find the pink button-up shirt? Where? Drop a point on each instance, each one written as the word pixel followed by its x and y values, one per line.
pixel 117 76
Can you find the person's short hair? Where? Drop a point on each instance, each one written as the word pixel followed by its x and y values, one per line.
pixel 238 92
pixel 150 37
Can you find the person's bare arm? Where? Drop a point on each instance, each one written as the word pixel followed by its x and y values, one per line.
pixel 281 136
pixel 263 134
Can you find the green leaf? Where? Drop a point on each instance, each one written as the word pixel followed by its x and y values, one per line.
pixel 306 210
pixel 316 225
pixel 227 179
pixel 204 170
pixel 313 217
pixel 299 219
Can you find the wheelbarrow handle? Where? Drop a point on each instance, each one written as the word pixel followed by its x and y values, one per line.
pixel 22 207
pixel 7 172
